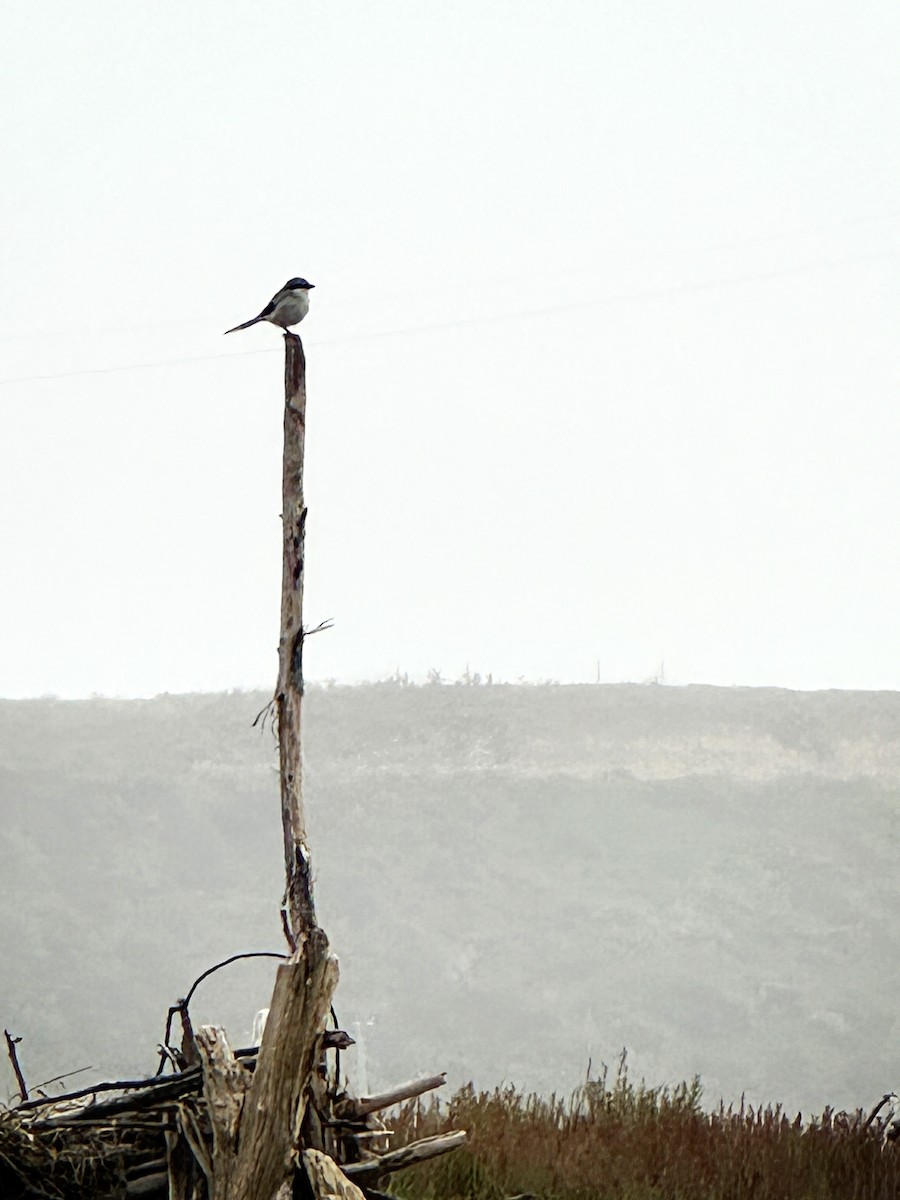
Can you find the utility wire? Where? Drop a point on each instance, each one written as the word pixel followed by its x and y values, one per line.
pixel 658 254
pixel 163 362
pixel 525 314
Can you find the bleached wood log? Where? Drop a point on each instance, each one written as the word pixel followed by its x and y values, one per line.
pixel 225 1084
pixel 326 1178
pixel 275 1103
pixel 363 1105
pixel 415 1152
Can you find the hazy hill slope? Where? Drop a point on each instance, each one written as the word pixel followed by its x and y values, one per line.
pixel 514 877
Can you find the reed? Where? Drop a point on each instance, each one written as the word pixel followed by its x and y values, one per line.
pixel 613 1139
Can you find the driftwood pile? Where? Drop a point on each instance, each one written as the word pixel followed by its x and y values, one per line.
pixel 204 1130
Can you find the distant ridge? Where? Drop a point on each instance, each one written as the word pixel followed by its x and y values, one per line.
pixel 705 875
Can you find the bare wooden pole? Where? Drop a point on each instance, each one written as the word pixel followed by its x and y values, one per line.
pixel 300 914
pixel 258 1126
pixel 256 1122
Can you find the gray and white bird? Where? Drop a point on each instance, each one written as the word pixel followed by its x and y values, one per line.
pixel 287 307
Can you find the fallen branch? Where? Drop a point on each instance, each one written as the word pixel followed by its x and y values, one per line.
pixel 415 1152
pixel 363 1105
pixel 168 1088
pixel 156 1086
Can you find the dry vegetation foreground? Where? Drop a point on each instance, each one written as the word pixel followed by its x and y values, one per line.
pixel 617 1141
pixel 610 1140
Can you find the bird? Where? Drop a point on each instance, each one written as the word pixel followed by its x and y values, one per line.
pixel 287 307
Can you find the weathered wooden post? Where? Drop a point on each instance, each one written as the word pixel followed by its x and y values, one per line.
pixel 299 910
pixel 259 1140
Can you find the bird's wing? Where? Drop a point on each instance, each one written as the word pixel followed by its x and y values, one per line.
pixel 274 302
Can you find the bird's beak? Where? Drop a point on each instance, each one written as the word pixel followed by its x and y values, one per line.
pixel 310 286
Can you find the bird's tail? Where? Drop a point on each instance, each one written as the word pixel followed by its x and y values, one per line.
pixel 246 325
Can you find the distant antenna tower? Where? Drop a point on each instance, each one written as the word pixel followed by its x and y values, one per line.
pixel 660 676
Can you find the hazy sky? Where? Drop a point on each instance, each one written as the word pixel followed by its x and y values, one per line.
pixel 602 354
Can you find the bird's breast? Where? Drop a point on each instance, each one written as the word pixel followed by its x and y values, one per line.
pixel 289 311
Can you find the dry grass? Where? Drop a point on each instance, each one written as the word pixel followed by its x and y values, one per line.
pixel 613 1140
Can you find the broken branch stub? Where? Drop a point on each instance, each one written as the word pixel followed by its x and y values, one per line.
pixel 364 1105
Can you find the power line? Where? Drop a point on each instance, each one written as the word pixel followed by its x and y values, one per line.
pixel 659 253
pixel 461 322
pixel 163 362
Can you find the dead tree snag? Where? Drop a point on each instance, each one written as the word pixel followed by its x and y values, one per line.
pixel 298 899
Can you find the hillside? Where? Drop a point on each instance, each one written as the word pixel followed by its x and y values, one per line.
pixel 515 879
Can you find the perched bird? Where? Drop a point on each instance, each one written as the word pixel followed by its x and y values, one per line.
pixel 287 307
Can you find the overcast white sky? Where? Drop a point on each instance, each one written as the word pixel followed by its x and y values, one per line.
pixel 602 353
